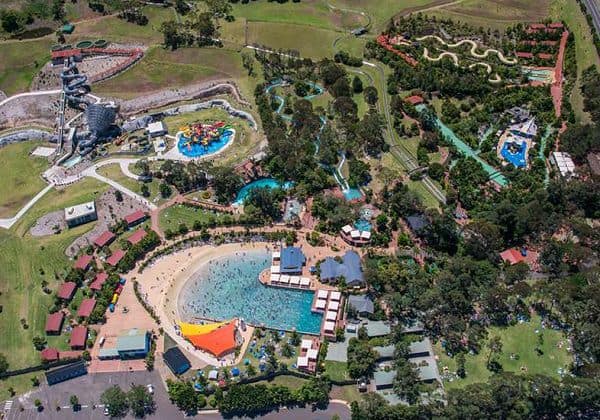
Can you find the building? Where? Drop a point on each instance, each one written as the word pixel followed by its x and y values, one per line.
pixel 349 269
pixel 49 354
pixel 176 361
pixel 513 256
pixel 137 236
pixel 54 323
pixel 66 290
pixel 80 214
pixel 377 329
pixel 86 308
pixel 78 338
pixel 414 100
pixel 563 163
pixel 157 129
pixel 309 353
pixel 362 304
pixel 83 262
pixel 385 352
pixel 99 280
pixel 115 257
pixel 133 344
pixel 292 260
pixel 527 128
pixel 427 373
pixel 106 238
pixel 419 348
pixel 64 373
pixel 355 237
pixel 417 222
pixel 594 163
pixel 383 379
pixel 135 218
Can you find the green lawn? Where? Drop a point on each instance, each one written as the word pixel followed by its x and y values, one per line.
pixel 173 216
pixel 521 340
pixel 336 370
pixel 113 171
pixel 21 259
pixel 495 14
pixel 20 174
pixel 20 62
pixel 585 51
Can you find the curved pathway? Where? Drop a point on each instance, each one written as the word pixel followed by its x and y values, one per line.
pixel 474 53
pixel 495 79
pixel 26 94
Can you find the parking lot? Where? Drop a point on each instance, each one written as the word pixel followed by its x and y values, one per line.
pixel 88 389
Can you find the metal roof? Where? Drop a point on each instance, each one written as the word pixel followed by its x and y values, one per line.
pixel 292 259
pixel 133 340
pixel 349 268
pixel 361 303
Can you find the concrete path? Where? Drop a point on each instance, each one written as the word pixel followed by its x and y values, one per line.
pixel 91 172
pixel 26 94
pixel 9 222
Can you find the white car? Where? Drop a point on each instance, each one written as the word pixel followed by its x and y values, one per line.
pixel 150 388
pixel 106 411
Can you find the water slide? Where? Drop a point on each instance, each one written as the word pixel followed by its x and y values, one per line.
pixel 337 174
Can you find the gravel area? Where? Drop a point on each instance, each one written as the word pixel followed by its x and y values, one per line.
pixel 46 224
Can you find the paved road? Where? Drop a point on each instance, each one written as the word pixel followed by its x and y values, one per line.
pixel 593 9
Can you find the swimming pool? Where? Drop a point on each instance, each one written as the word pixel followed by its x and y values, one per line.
pixel 228 287
pixel 195 150
pixel 362 224
pixel 352 194
pixel 259 183
pixel 518 159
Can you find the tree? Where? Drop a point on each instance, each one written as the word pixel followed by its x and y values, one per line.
pixel 183 395
pixel 406 381
pixel 357 85
pixel 115 400
pixel 39 343
pixel 140 400
pixel 145 190
pixel 248 62
pixel 165 190
pixel 460 365
pixel 11 20
pixel 171 35
pixel 371 95
pixel 495 347
pixel 361 359
pixel 226 183
pixel 74 401
pixel 118 196
pixel 3 363
pixel 436 171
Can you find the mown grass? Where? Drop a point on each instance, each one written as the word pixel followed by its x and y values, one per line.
pixel 19 63
pixel 114 172
pixel 20 174
pixel 521 340
pixel 174 216
pixel 495 14
pixel 24 262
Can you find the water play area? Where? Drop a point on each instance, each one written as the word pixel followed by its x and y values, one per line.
pixel 228 287
pixel 202 140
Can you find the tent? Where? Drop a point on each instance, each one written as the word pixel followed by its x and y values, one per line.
pixel 218 342
pixel 188 330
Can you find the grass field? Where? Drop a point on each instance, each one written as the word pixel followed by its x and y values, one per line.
pixel 20 61
pixel 520 339
pixel 114 172
pixel 21 259
pixel 495 14
pixel 585 51
pixel 20 174
pixel 173 216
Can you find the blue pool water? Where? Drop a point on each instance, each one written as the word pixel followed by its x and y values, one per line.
pixel 352 194
pixel 196 150
pixel 362 224
pixel 228 287
pixel 517 159
pixel 259 183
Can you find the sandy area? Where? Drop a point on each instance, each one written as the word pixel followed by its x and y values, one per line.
pixel 161 284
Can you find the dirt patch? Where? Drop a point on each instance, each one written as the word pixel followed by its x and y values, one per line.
pixel 49 224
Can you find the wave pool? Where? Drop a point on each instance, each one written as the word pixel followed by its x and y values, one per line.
pixel 228 287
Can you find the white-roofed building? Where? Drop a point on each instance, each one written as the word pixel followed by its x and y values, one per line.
pixel 306 343
pixel 80 214
pixel 284 278
pixel 333 306
pixel 295 280
pixel 336 296
pixel 563 163
pixel 302 362
pixel 331 315
pixel 321 304
pixel 322 294
pixel 355 234
pixel 365 234
pixel 347 229
pixel 329 326
pixel 274 278
pixel 312 354
pixel 276 255
pixel 157 128
pixel 275 269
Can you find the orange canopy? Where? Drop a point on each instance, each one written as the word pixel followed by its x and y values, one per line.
pixel 218 342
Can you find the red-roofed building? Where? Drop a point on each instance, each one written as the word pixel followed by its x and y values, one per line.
pixel 549 43
pixel 78 338
pixel 86 307
pixel 137 236
pixel 83 262
pixel 522 54
pixel 512 256
pixel 556 25
pixel 49 354
pixel 66 290
pixel 99 281
pixel 414 100
pixel 545 56
pixel 135 218
pixel 115 257
pixel 537 26
pixel 54 323
pixel 104 239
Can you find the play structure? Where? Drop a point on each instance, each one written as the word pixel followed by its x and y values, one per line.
pixel 515 152
pixel 199 139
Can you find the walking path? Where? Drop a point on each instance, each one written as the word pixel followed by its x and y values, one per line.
pixel 26 94
pixel 473 51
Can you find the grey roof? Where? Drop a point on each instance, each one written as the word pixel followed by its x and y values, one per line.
pixel 100 117
pixel 427 373
pixel 377 329
pixel 67 372
pixel 417 222
pixel 176 360
pixel 133 340
pixel 383 378
pixel 292 259
pixel 413 327
pixel 362 303
pixel 419 347
pixel 349 268
pixel 385 352
pixel 108 352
